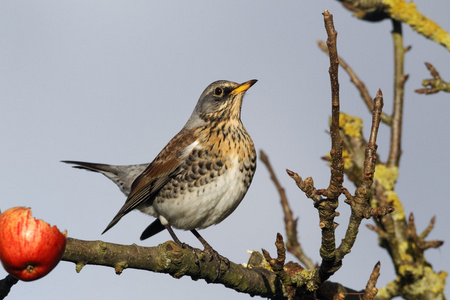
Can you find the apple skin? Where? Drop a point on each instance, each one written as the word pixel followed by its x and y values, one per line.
pixel 29 248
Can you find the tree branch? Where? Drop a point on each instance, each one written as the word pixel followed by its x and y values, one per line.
pixel 327 208
pixel 434 85
pixel 171 259
pixel 360 203
pixel 371 290
pixel 6 284
pixel 271 278
pixel 399 85
pixel 292 244
pixel 365 96
pixel 400 11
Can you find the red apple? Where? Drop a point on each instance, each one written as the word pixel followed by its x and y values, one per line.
pixel 29 248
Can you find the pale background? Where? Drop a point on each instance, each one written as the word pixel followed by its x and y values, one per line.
pixel 113 81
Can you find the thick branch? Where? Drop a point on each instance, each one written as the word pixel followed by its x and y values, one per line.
pixel 171 259
pixel 400 11
pixel 256 278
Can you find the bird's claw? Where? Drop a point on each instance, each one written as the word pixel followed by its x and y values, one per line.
pixel 186 246
pixel 213 254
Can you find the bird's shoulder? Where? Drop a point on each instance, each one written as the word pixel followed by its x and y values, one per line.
pixel 167 161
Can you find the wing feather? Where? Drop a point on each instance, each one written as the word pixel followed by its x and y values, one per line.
pixel 165 166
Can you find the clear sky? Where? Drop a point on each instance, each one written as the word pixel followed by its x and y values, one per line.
pixel 113 81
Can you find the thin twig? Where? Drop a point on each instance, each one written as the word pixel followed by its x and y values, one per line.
pixel 337 164
pixel 360 202
pixel 399 85
pixel 327 208
pixel 419 240
pixel 6 285
pixel 365 95
pixel 277 264
pixel 429 228
pixel 292 244
pixel 371 290
pixel 434 85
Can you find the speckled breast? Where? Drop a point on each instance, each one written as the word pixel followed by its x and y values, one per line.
pixel 211 182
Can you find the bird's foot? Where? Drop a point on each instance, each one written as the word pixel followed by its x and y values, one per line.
pixel 183 245
pixel 214 255
pixel 186 246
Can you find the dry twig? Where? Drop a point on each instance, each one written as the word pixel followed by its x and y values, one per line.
pixel 360 202
pixel 434 85
pixel 371 290
pixel 292 244
pixel 399 90
pixel 358 84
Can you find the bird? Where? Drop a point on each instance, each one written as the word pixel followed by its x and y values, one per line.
pixel 200 177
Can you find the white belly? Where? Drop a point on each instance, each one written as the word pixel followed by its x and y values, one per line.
pixel 203 206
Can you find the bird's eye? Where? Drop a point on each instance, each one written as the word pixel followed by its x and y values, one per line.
pixel 218 91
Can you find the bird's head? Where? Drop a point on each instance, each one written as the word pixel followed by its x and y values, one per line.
pixel 220 101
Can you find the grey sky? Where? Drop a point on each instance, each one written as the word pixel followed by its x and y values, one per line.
pixel 114 81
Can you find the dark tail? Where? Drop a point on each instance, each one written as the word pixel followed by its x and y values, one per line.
pixel 94 167
pixel 152 229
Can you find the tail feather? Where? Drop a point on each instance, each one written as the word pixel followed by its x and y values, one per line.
pixel 89 166
pixel 152 229
pixel 114 222
pixel 122 176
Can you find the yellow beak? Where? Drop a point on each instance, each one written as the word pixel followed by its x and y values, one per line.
pixel 243 87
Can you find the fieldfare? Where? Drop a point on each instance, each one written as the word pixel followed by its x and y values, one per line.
pixel 202 174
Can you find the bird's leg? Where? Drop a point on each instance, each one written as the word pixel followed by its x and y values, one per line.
pixel 213 253
pixel 182 245
pixel 174 236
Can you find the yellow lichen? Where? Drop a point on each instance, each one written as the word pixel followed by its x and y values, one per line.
pixel 347 157
pixel 407 13
pixel 257 260
pixel 434 282
pixel 394 201
pixel 386 176
pixel 389 290
pixel 352 126
pixel 307 274
pixel 409 270
pixel 428 280
pixel 403 251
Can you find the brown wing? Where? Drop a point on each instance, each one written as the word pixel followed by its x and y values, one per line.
pixel 156 175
